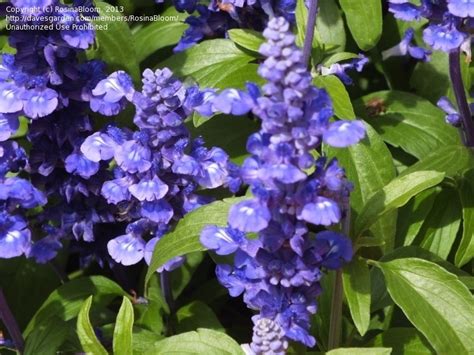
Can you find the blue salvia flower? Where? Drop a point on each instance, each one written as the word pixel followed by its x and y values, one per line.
pixel 268 338
pixel 449 25
pixel 278 270
pixel 340 70
pixel 158 166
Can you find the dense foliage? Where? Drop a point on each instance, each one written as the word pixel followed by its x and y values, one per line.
pixel 236 177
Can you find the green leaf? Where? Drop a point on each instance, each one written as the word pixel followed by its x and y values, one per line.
pixel 215 63
pixel 195 315
pixel 248 39
pixel 396 194
pixel 435 301
pixel 360 351
pixel 356 282
pixel 87 337
pixel 364 18
pixel 465 251
pixel 202 341
pixel 452 160
pixel 47 338
pixel 330 25
pixel 337 91
pixel 184 239
pixel 369 167
pixel 413 214
pixel 404 341
pixel 122 342
pixel 407 121
pixel 442 224
pixel 66 301
pixel 115 44
pixel 159 34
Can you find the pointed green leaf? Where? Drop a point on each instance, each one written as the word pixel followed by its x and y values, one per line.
pixel 407 121
pixel 122 342
pixel 66 301
pixel 196 315
pixel 356 282
pixel 435 301
pixel 89 342
pixel 159 34
pixel 184 238
pixel 248 39
pixel 452 160
pixel 396 194
pixel 340 98
pixel 442 224
pixel 364 18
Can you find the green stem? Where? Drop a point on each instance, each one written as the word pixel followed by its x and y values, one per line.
pixel 335 323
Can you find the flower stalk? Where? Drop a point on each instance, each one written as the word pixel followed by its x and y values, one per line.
pixel 335 323
pixel 310 25
pixel 461 99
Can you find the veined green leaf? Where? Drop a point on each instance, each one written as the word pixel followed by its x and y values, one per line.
pixel 248 39
pixel 356 282
pixel 407 121
pixel 66 301
pixel 90 343
pixel 435 301
pixel 122 342
pixel 184 238
pixel 442 224
pixel 364 18
pixel 397 193
pixel 340 98
pixel 159 34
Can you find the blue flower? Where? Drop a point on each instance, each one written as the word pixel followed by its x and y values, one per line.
pixel 9 124
pixel 15 238
pixel 461 8
pixel 406 47
pixel 249 216
pixel 126 249
pixel 111 94
pixel 149 190
pixel 452 115
pixel 342 134
pixel 443 37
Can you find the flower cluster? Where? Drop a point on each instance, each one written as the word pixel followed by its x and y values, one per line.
pixel 158 167
pixel 449 25
pixel 277 236
pixel 45 83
